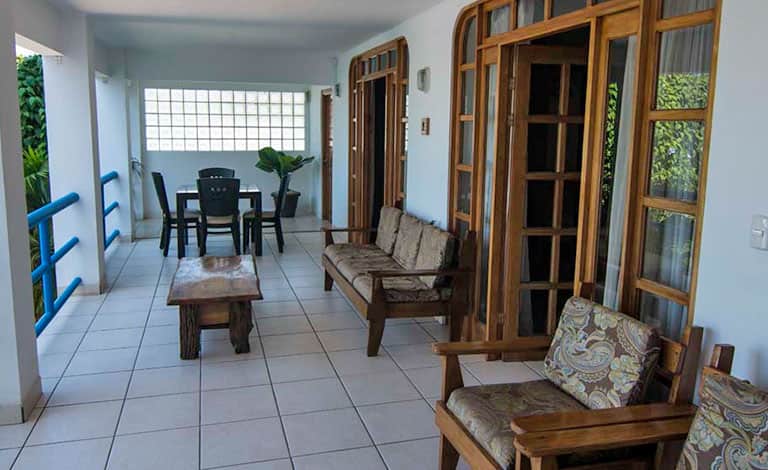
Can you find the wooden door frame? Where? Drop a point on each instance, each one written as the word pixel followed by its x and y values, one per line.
pixel 326 209
pixel 362 72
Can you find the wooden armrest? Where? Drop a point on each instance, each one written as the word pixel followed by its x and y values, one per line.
pixel 349 229
pixel 554 443
pixel 421 272
pixel 486 347
pixel 589 418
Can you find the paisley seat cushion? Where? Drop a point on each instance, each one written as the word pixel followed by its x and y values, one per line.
pixel 487 410
pixel 730 429
pixel 389 224
pixel 601 357
pixel 356 266
pixel 401 289
pixel 338 252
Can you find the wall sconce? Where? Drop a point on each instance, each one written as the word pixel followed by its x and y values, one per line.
pixel 337 90
pixel 422 79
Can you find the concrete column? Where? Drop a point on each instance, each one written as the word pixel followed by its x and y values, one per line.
pixel 19 376
pixel 112 106
pixel 70 103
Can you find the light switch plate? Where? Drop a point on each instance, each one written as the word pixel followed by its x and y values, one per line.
pixel 759 232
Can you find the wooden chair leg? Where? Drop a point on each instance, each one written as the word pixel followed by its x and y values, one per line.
pixel 455 322
pixel 167 236
pixel 246 235
pixel 203 240
pixel 375 334
pixel 449 456
pixel 328 281
pixel 162 236
pixel 543 463
pixel 279 234
pixel 236 237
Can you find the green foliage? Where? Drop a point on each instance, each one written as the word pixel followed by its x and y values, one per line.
pixel 29 73
pixel 273 161
pixel 36 177
pixel 610 144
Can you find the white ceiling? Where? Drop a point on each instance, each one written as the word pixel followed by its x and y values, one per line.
pixel 285 24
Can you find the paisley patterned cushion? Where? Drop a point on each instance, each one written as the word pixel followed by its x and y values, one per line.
pixel 601 357
pixel 436 251
pixel 338 252
pixel 356 266
pixel 487 410
pixel 401 289
pixel 730 429
pixel 408 240
pixel 389 223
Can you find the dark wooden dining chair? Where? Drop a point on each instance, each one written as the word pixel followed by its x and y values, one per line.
pixel 270 219
pixel 170 220
pixel 216 173
pixel 219 199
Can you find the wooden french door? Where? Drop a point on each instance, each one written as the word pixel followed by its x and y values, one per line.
pixel 327 164
pixel 548 105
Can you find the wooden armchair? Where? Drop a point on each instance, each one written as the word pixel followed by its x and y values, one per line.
pixel 485 437
pixel 548 438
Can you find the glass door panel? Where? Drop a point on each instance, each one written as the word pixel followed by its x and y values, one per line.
pixel 685 62
pixel 490 154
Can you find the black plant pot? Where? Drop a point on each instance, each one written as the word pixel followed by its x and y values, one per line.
pixel 290 203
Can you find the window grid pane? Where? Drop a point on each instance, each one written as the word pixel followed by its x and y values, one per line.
pixel 223 120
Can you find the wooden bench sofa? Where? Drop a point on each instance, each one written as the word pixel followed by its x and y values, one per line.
pixel 414 269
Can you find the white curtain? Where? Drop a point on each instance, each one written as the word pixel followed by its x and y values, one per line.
pixel 619 189
pixel 527 11
pixel 681 7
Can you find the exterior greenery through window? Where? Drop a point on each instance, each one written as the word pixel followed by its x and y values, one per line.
pixel 223 120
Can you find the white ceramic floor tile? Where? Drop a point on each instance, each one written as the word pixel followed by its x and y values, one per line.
pixel 75 422
pixel 53 365
pixel 411 455
pixel 429 381
pixel 111 339
pixel 14 435
pixel 405 334
pixel 342 340
pixel 176 449
pixel 234 374
pixel 97 362
pixel 278 295
pixel 414 356
pixel 236 443
pixel 49 343
pixel 356 459
pixel 163 316
pixel 69 324
pixel 357 362
pixel 276 309
pixel 289 345
pixel 236 404
pixel 126 305
pixel 283 325
pixel 324 431
pixel 536 366
pixel 119 321
pixel 282 464
pixel 222 350
pixel 501 372
pixel 7 457
pixel 336 321
pixel 165 381
pixel 334 305
pixel 164 355
pixel 79 455
pixel 312 293
pixel 158 413
pixel 154 335
pixel 395 422
pixel 302 367
pixel 90 388
pixel 308 396
pixel 381 387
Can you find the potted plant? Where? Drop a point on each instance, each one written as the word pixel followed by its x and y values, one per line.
pixel 273 161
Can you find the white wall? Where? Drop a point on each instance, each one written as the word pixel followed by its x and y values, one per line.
pixel 732 299
pixel 37 21
pixel 179 168
pixel 430 44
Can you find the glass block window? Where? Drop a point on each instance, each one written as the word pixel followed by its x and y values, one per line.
pixel 179 120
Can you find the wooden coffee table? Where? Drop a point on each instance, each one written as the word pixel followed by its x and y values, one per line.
pixel 214 292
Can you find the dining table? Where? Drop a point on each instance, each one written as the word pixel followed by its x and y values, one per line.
pixel 250 192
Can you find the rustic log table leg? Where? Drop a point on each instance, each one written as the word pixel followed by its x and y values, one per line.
pixel 240 326
pixel 189 332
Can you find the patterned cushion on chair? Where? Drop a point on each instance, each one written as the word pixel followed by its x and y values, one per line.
pixel 436 251
pixel 339 252
pixel 351 268
pixel 487 410
pixel 408 240
pixel 401 289
pixel 601 357
pixel 389 223
pixel 730 429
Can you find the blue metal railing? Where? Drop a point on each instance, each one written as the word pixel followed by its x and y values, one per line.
pixel 41 218
pixel 108 239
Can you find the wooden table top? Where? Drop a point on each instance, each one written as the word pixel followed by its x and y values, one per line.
pixel 215 279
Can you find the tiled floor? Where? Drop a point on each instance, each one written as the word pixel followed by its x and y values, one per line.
pixel 117 396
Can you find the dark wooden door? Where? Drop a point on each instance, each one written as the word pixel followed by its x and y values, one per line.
pixel 327 155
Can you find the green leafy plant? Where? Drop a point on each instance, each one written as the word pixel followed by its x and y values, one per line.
pixel 273 161
pixel 36 177
pixel 29 74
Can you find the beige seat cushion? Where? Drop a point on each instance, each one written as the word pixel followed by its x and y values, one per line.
pixel 351 268
pixel 487 410
pixel 188 214
pixel 401 289
pixel 601 357
pixel 218 220
pixel 408 239
pixel 338 252
pixel 389 223
pixel 436 251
